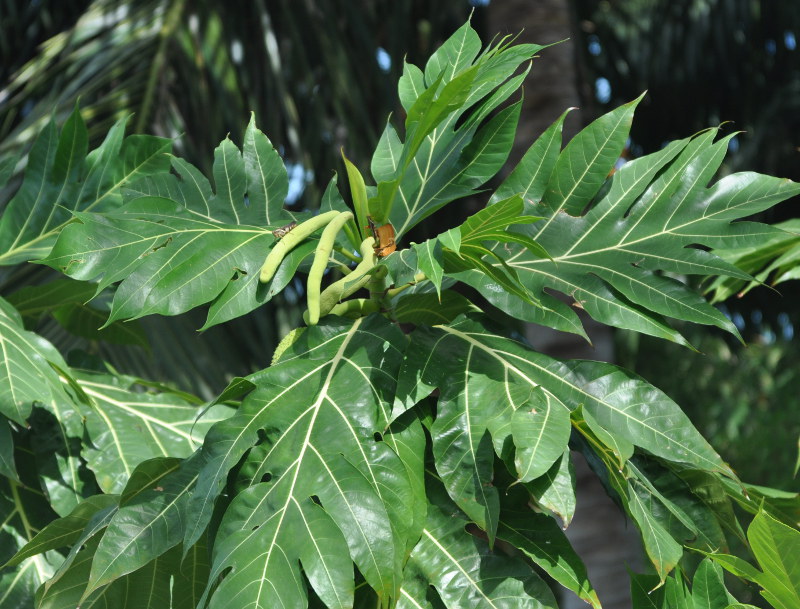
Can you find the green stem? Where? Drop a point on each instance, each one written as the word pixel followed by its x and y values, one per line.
pixel 377 284
pixel 392 292
pixel 349 255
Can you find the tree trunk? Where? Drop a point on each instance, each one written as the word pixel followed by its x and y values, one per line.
pixel 598 532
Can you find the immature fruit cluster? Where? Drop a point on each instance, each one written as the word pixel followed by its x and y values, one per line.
pixel 321 302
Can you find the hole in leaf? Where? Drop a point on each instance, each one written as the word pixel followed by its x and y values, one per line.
pixel 316 500
pixel 266 477
pixel 377 436
pixel 164 244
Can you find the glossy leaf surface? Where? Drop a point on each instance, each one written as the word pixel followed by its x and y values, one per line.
pixel 62 178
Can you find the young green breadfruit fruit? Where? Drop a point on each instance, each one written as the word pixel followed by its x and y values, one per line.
pixel 344 287
pixel 321 256
pixel 292 240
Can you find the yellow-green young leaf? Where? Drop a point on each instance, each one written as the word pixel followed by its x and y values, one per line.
pixel 358 191
pixel 450 149
pixel 772 260
pixel 622 449
pixel 776 546
pixel 492 223
pixel 430 261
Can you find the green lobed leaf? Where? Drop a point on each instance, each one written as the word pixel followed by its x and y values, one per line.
pixel 582 168
pixel 407 439
pixel 622 403
pixel 649 218
pixel 540 539
pixel 325 494
pixel 555 489
pixel 65 589
pixel 191 577
pixel 32 301
pixel 7 466
pixel 482 406
pixel 23 512
pixel 56 434
pixel 60 178
pixel 149 522
pixel 708 587
pixel 89 322
pixel 176 244
pixel 463 570
pixel 7 165
pixel 428 309
pixel 267 180
pixel 154 586
pixel 127 427
pixel 529 178
pixel 64 531
pixel 27 372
